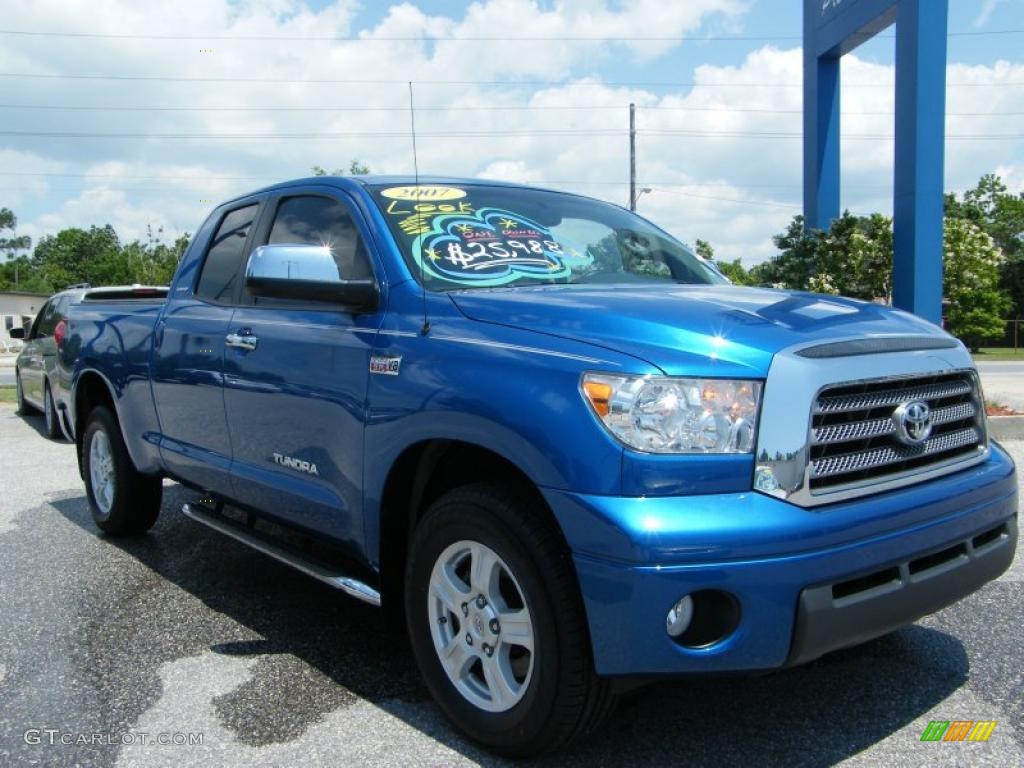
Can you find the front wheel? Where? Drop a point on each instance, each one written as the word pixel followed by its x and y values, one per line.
pixel 497 623
pixel 123 500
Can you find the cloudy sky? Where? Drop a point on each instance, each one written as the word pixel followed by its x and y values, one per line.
pixel 139 114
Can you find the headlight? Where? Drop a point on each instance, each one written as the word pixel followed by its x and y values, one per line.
pixel 664 414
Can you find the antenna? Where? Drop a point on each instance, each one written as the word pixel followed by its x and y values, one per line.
pixel 416 170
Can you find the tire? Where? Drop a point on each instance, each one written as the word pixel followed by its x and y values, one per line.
pixel 551 695
pixel 123 501
pixel 52 418
pixel 24 409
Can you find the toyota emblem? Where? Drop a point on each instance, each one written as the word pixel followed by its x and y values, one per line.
pixel 913 422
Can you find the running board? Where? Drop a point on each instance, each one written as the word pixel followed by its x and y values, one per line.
pixel 346 584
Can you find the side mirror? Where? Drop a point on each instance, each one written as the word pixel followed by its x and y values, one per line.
pixel 306 272
pixel 17 333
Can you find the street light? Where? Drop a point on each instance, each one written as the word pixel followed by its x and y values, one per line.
pixel 633 202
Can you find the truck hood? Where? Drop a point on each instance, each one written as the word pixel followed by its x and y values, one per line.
pixel 689 329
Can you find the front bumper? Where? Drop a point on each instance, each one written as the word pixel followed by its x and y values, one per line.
pixel 808 581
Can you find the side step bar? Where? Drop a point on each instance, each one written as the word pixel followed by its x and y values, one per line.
pixel 346 584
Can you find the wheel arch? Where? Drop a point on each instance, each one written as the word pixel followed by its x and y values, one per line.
pixel 91 389
pixel 421 474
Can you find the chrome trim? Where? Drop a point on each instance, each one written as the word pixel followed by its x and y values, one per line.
pixel 858 430
pixel 346 584
pixel 247 342
pixel 792 387
pixel 882 456
pixel 842 403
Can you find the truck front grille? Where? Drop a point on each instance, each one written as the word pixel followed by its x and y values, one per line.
pixel 854 434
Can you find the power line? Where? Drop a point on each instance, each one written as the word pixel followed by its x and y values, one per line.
pixel 785 135
pixel 459 39
pixel 475 134
pixel 206 177
pixel 314 135
pixel 509 83
pixel 482 108
pixel 767 203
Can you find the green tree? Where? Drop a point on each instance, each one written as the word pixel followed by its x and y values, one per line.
pixel 355 168
pixel 735 271
pixel 796 264
pixel 1000 214
pixel 731 269
pixel 977 305
pixel 10 245
pixel 854 258
pixel 94 255
pixel 15 272
pixel 78 255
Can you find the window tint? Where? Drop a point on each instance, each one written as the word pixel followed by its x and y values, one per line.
pixel 220 270
pixel 322 221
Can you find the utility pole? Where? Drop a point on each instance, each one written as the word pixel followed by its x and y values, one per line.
pixel 632 157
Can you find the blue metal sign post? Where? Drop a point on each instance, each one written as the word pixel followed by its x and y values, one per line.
pixel 833 28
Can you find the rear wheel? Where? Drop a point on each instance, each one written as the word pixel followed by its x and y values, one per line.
pixel 123 500
pixel 497 623
pixel 23 407
pixel 53 430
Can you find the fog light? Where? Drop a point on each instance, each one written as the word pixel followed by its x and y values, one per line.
pixel 679 617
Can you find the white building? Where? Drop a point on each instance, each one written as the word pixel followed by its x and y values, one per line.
pixel 18 309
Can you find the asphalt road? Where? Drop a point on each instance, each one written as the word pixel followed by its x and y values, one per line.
pixel 184 631
pixel 1003 382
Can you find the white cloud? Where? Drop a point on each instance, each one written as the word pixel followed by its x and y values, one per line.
pixel 20 185
pixel 734 188
pixel 1013 176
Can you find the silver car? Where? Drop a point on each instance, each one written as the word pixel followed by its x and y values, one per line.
pixel 35 369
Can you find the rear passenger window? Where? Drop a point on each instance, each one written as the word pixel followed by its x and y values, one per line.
pixel 322 221
pixel 223 259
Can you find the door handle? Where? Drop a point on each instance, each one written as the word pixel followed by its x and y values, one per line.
pixel 241 340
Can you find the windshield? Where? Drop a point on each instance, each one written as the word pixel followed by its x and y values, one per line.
pixel 476 236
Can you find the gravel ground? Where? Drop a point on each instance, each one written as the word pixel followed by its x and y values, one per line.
pixel 184 631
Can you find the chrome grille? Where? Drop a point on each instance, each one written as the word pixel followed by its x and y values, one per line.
pixel 854 437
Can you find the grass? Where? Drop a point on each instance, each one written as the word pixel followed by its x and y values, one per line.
pixel 999 353
pixel 7 394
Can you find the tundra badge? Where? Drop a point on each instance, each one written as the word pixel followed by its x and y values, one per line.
pixel 301 465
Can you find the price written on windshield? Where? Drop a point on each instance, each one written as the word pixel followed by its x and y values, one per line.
pixel 466 254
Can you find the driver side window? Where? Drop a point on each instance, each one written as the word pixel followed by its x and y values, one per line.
pixel 314 220
pixel 45 321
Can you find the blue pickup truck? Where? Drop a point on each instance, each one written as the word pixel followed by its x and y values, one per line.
pixel 555 445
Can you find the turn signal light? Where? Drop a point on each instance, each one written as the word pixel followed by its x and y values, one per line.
pixel 600 394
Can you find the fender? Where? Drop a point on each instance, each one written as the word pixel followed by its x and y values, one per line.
pixel 384 449
pixel 143 452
